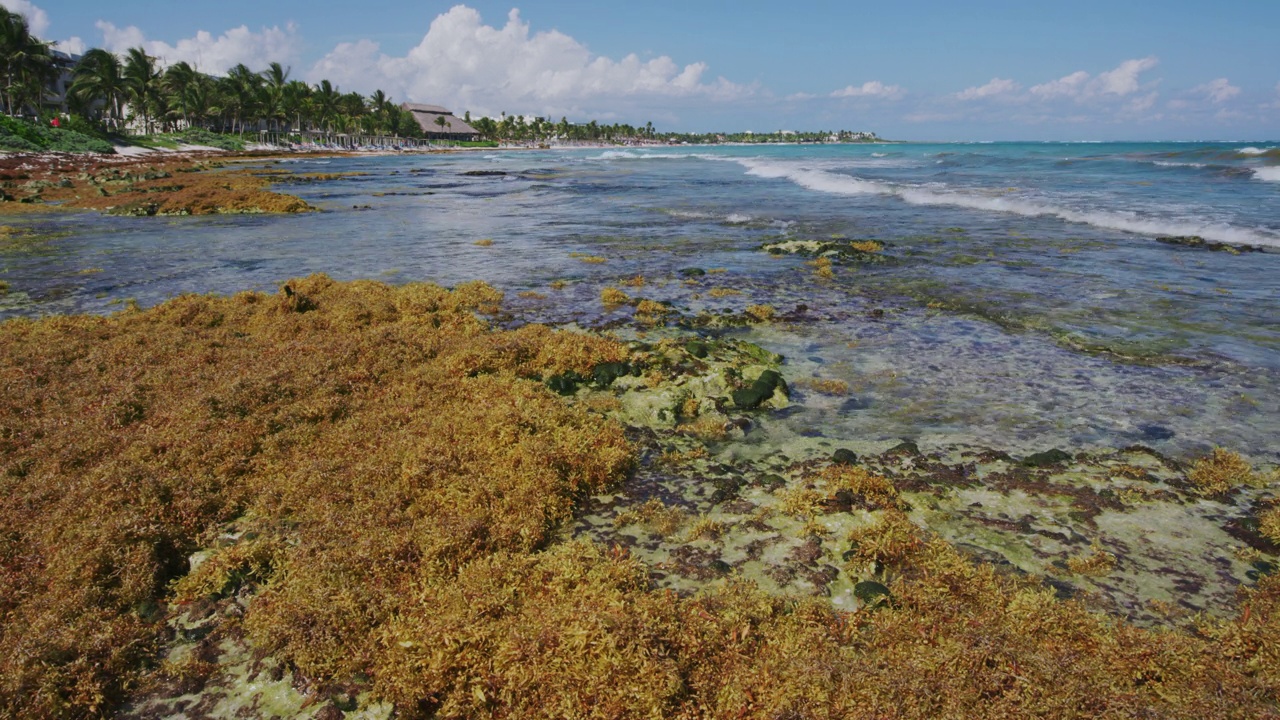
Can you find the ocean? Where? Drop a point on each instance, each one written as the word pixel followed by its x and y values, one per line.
pixel 1024 300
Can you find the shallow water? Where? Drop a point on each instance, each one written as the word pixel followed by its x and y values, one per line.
pixel 1025 304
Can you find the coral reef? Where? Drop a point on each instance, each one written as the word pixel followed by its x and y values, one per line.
pixel 141 186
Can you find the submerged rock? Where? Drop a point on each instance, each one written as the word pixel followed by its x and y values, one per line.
pixel 1195 241
pixel 855 251
pixel 1048 458
pixel 761 390
pixel 844 456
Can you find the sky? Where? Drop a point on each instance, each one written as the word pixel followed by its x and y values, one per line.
pixel 906 69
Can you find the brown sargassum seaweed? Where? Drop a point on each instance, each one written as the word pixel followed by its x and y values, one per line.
pixel 400 471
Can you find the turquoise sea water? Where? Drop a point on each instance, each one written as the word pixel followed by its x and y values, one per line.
pixel 1026 302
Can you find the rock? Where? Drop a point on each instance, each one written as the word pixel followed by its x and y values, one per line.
pixel 862 251
pixel 484 173
pixel 1155 432
pixel 330 712
pixel 604 374
pixel 872 593
pixel 906 447
pixel 693 272
pixel 761 389
pixel 844 457
pixel 1048 458
pixel 1195 241
pixel 566 384
pixel 772 480
pixel 853 405
pixel 696 348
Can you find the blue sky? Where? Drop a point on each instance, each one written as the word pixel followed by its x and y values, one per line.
pixel 912 69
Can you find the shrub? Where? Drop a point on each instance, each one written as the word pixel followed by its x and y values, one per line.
pixel 200 136
pixel 27 137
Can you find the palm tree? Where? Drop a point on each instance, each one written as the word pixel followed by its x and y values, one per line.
pixel 142 83
pixel 277 78
pixel 296 99
pixel 381 107
pixel 177 82
pixel 99 78
pixel 243 94
pixel 199 100
pixel 26 62
pixel 351 108
pixel 326 98
pixel 442 123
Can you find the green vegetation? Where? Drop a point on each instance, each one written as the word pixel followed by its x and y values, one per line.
pixel 21 136
pixel 26 63
pixel 134 94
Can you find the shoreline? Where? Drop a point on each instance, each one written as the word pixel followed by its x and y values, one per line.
pixel 640 483
pixel 698 517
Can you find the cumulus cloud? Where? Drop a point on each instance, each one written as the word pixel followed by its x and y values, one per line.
pixel 37 19
pixel 997 87
pixel 1142 103
pixel 1217 91
pixel 71 46
pixel 1122 81
pixel 464 63
pixel 1070 86
pixel 871 89
pixel 208 53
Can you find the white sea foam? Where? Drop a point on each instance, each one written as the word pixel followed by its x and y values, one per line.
pixel 1254 151
pixel 835 183
pixel 1270 174
pixel 730 219
pixel 879 154
pixel 631 155
pixel 1165 163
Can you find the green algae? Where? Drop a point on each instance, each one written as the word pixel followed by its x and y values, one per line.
pixel 1032 517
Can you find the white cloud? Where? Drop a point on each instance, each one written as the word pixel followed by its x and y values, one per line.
pixel 1124 79
pixel 1069 86
pixel 71 46
pixel 208 53
pixel 872 89
pixel 37 19
pixel 801 96
pixel 1143 103
pixel 1218 91
pixel 465 64
pixel 995 88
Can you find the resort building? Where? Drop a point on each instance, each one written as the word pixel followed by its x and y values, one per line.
pixel 440 124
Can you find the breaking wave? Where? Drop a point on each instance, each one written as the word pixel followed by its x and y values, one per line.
pixel 1127 221
pixel 1270 174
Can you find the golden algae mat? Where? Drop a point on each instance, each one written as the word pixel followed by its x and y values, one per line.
pixel 363 489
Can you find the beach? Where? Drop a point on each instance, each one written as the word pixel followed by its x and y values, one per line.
pixel 842 400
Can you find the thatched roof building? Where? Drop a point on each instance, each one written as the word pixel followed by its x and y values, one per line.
pixel 428 117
